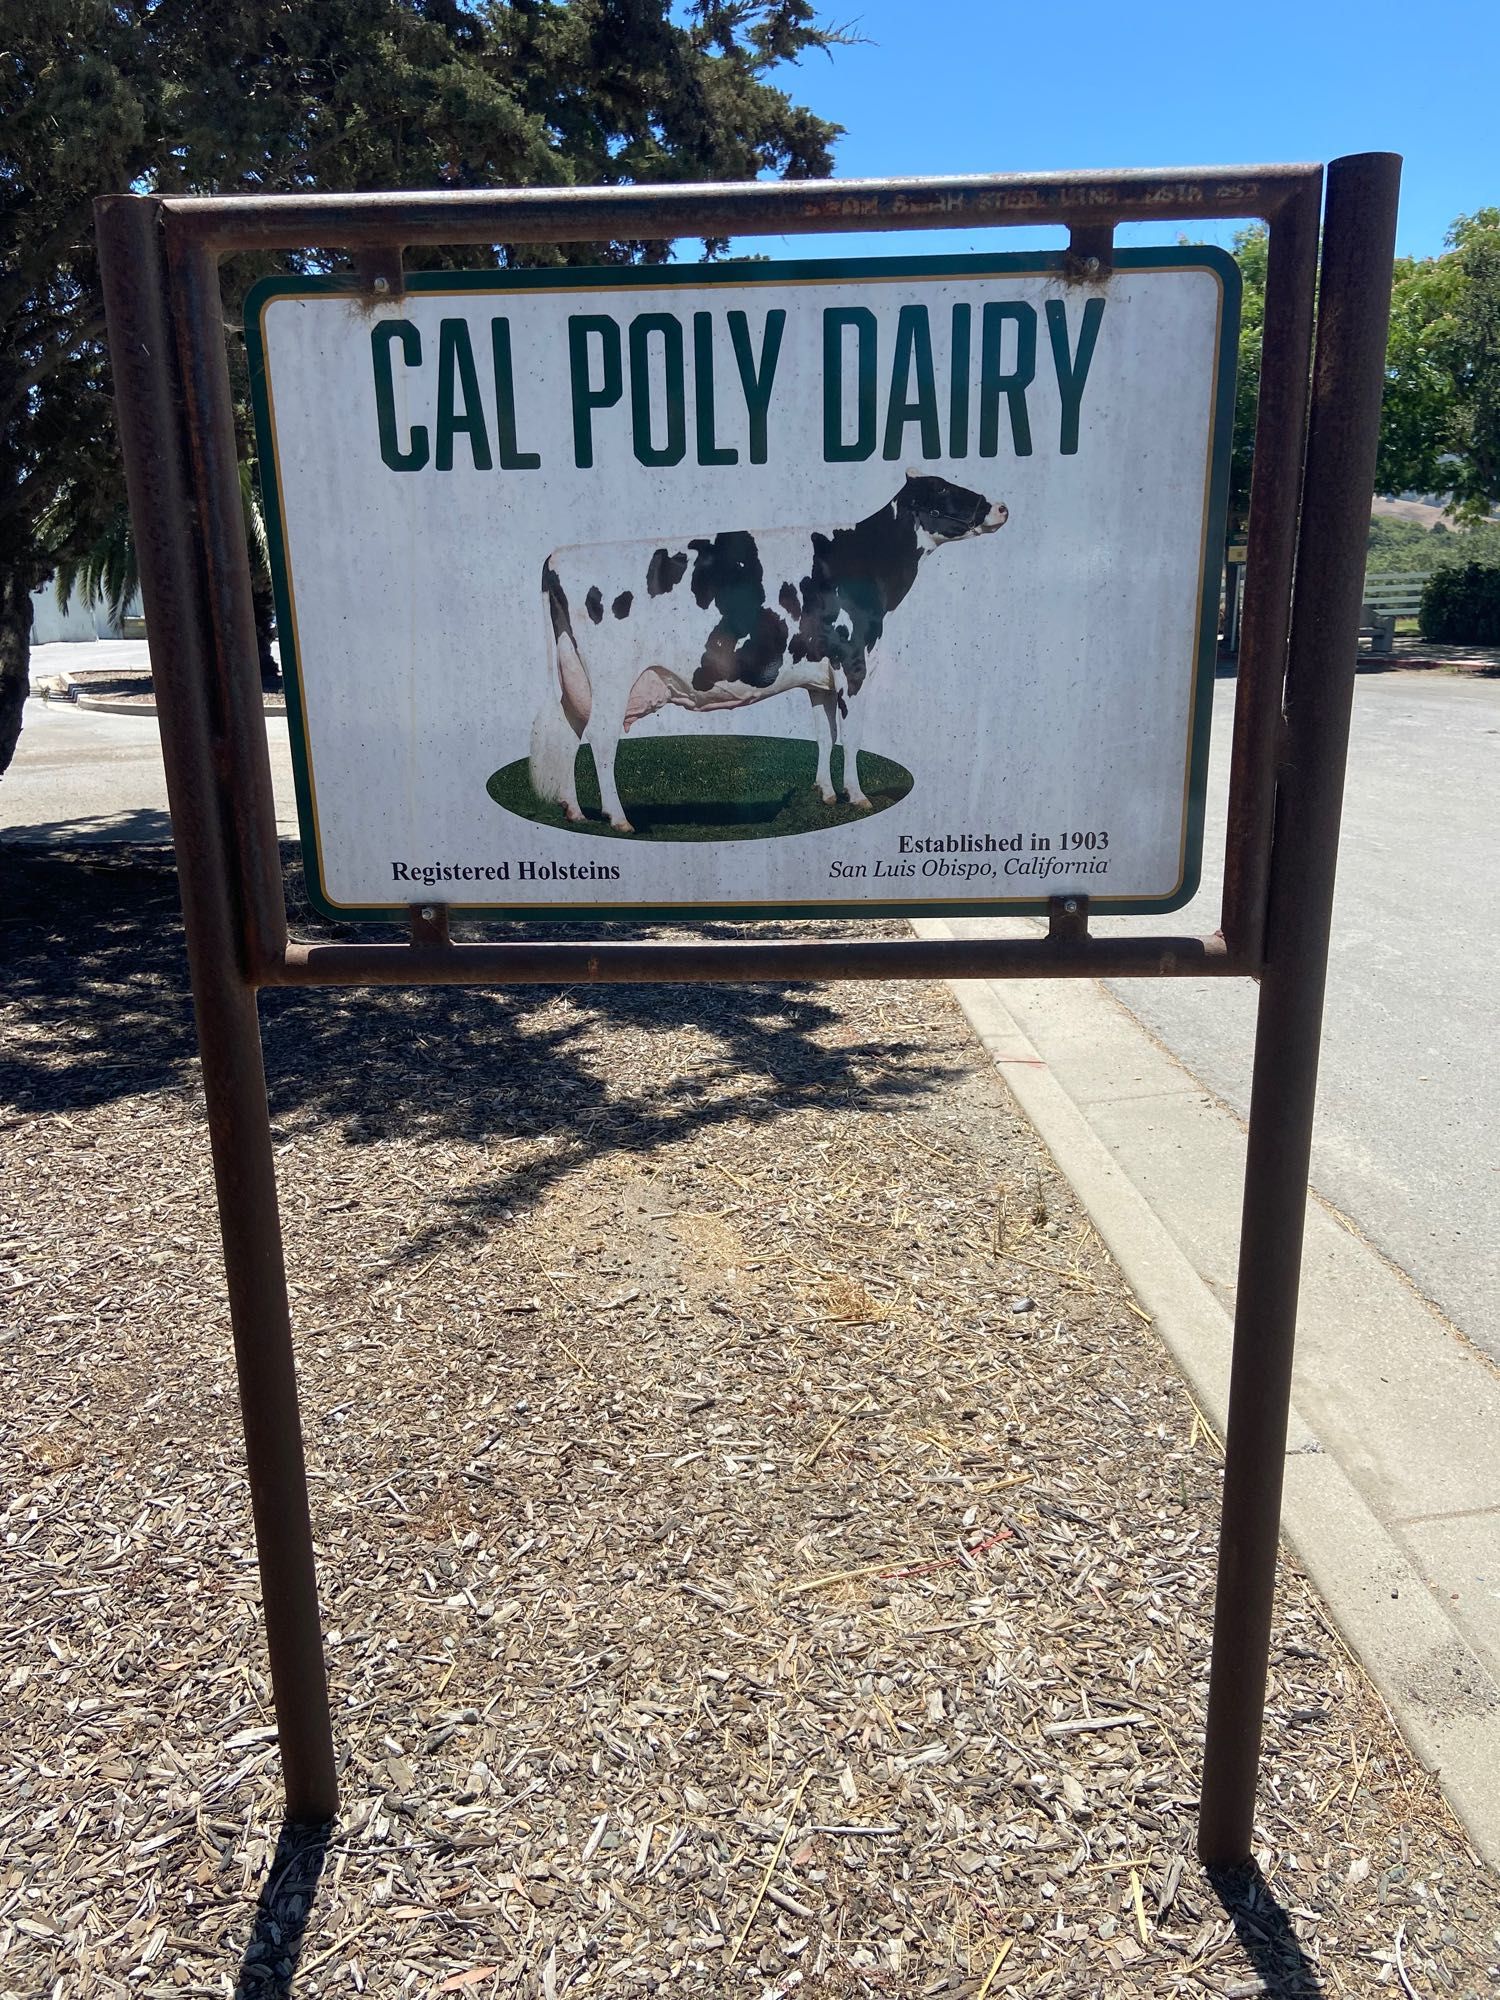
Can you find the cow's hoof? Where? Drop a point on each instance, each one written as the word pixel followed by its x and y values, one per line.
pixel 622 826
pixel 575 814
pixel 860 804
pixel 829 798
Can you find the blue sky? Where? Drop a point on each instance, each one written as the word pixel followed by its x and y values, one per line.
pixel 951 86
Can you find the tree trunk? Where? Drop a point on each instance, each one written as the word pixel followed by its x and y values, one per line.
pixel 15 656
pixel 265 627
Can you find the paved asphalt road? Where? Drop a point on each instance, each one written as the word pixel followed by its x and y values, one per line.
pixel 1408 1136
pixel 83 774
pixel 1407 1141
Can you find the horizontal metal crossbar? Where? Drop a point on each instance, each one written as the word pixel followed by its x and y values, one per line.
pixel 733 208
pixel 768 960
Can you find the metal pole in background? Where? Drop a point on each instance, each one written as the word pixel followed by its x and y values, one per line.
pixel 1359 232
pixel 148 411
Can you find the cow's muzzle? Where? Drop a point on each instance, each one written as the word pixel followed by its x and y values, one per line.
pixel 997 517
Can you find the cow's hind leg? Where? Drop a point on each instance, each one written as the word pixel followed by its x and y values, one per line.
pixel 850 731
pixel 826 729
pixel 553 757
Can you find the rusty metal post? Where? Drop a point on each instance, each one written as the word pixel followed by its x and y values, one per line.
pixel 208 411
pixel 148 410
pixel 1354 302
pixel 1275 485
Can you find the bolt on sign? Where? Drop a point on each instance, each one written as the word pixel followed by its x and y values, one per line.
pixel 799 588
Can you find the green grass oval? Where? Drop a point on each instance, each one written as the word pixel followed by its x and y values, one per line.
pixel 708 788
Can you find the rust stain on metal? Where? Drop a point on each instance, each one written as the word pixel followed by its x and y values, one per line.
pixel 1071 954
pixel 429 925
pixel 1068 922
pixel 179 510
pixel 381 274
pixel 745 208
pixel 1090 254
pixel 1276 484
pixel 1354 288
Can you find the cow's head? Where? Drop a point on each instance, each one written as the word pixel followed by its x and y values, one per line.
pixel 944 512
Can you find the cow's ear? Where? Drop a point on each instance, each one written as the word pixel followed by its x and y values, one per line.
pixel 913 472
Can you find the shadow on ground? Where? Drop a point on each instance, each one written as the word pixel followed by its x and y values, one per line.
pixel 1474 663
pixel 1397 663
pixel 1265 1934
pixel 95 984
pixel 136 824
pixel 268 1968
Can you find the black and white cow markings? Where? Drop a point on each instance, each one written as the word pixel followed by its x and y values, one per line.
pixel 730 619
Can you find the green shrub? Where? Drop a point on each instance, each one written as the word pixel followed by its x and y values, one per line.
pixel 1461 605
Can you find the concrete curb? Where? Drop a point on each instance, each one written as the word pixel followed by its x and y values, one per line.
pixel 1442 1694
pixel 116 705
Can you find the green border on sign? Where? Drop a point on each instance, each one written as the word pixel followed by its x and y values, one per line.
pixel 1039 264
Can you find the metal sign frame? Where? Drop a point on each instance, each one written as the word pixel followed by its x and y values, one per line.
pixel 1315 442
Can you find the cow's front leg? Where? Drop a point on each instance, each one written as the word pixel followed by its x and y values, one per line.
pixel 826 730
pixel 850 731
pixel 603 738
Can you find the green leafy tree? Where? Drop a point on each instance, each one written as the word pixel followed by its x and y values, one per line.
pixel 1440 425
pixel 1400 545
pixel 1250 251
pixel 102 96
pixel 1416 414
pixel 1440 420
pixel 1403 547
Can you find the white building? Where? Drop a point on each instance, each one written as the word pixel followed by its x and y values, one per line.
pixel 52 621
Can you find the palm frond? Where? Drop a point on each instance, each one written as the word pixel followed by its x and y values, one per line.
pixel 105 573
pixel 255 520
pixel 108 572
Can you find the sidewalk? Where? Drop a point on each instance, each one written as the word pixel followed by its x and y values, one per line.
pixel 1393 1469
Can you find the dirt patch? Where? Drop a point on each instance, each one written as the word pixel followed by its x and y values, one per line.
pixel 1449 1684
pixel 764 1548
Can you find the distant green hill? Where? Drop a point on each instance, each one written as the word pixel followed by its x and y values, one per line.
pixel 1407 545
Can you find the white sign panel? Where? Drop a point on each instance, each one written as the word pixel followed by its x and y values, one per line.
pixel 799 588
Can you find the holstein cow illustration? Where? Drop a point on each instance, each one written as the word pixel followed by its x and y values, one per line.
pixel 728 620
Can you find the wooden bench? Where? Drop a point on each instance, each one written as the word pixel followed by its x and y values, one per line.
pixel 1395 594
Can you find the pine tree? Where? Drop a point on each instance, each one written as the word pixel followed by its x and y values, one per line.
pixel 106 96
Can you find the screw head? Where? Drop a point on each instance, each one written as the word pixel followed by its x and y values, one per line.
pixel 1091 265
pixel 1071 906
pixel 382 284
pixel 429 914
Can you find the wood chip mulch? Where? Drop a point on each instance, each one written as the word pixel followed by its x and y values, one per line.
pixel 764 1548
